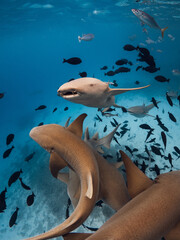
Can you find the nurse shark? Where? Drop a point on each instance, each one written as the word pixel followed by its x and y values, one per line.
pixel 91 92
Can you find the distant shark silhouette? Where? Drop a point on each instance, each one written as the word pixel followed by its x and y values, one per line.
pixel 80 157
pixel 140 111
pixel 91 92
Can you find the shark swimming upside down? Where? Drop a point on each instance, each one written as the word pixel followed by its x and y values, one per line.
pixel 91 92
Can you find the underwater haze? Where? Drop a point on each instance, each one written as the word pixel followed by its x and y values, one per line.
pixel 35 37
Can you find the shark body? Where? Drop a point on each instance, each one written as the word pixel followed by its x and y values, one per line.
pixel 91 92
pixel 140 111
pixel 81 159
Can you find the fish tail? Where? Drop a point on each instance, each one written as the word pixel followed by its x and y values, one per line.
pixel 79 38
pixel 162 31
pixel 64 60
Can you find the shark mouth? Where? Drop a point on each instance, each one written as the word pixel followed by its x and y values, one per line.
pixel 68 93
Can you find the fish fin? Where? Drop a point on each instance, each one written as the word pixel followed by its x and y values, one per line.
pixel 86 135
pixel 79 38
pixel 67 122
pixel 106 141
pixel 162 31
pixel 56 163
pixel 105 109
pixel 117 164
pixel 76 126
pixel 137 181
pixel 95 136
pixel 64 177
pixel 149 115
pixel 116 91
pixel 89 192
pixel 64 60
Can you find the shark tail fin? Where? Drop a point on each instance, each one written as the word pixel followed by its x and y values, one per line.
pixel 163 30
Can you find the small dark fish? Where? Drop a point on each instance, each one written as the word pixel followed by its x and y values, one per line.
pixel 144 51
pixel 14 177
pixel 138 67
pixel 147 151
pixel 73 60
pixel 156 150
pixel 99 203
pixel 160 78
pixel 129 150
pixel 122 62
pixel 163 127
pixel 152 140
pixel 66 108
pixel 116 140
pixel 104 68
pixel 153 100
pixel 30 199
pixel 113 124
pixel 24 185
pixel 13 218
pixel 169 99
pixel 71 79
pixel 124 109
pixel 177 149
pixel 90 228
pixel 122 69
pixel 98 118
pixel 164 139
pixel 143 167
pixel 83 74
pixel 3 200
pixel 29 157
pixel 7 152
pixel 156 169
pixel 170 159
pixel 117 133
pixel 40 107
pixel 40 124
pixel 9 138
pixel 149 134
pixel 137 82
pixel 109 73
pixel 67 208
pixel 151 69
pixel 171 116
pixel 126 121
pixel 124 126
pixel 115 121
pixel 110 109
pixel 145 126
pixel 105 129
pixel 55 109
pixel 115 83
pixel 129 47
pixel 1 95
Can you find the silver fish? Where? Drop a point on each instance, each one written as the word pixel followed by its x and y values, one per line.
pixel 147 19
pixel 86 37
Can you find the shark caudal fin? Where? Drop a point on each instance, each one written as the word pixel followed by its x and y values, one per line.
pixel 116 91
pixel 163 30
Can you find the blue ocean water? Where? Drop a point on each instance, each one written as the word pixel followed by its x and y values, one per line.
pixel 34 39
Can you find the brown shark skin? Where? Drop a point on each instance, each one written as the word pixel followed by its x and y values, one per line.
pixel 76 236
pixel 137 181
pixel 81 158
pixel 148 216
pixel 56 163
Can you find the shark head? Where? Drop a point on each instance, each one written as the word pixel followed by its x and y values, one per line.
pixel 91 92
pixel 86 91
pixel 44 134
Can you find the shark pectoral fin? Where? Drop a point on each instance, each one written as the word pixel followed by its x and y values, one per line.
pixel 89 192
pixel 116 91
pixel 64 177
pixel 117 106
pixel 76 126
pixel 105 109
pixel 56 163
pixel 147 114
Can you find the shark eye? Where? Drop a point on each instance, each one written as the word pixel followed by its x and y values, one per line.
pixel 91 84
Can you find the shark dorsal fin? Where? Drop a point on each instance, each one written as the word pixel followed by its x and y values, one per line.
pixel 76 126
pixel 95 136
pixel 137 181
pixel 116 91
